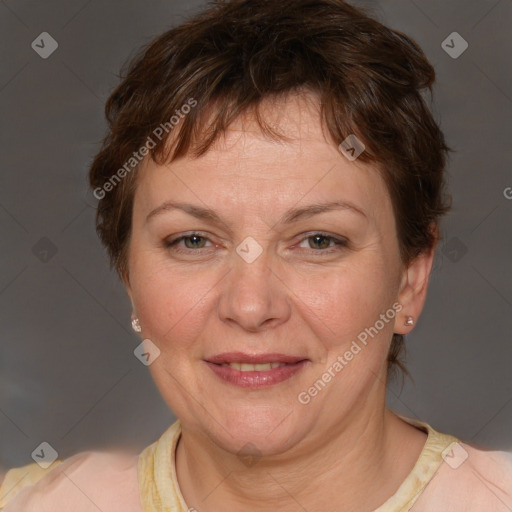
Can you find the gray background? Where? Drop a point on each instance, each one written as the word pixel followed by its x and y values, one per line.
pixel 68 375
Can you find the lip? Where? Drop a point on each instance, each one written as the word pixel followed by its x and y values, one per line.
pixel 240 357
pixel 257 379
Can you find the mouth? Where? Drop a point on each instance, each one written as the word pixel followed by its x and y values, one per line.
pixel 261 367
pixel 255 371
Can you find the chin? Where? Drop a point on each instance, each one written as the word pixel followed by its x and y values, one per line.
pixel 266 430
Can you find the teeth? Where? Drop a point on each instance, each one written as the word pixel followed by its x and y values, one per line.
pixel 254 367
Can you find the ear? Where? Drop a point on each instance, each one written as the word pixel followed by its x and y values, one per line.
pixel 125 279
pixel 414 286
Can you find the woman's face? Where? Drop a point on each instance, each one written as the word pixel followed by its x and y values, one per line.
pixel 256 280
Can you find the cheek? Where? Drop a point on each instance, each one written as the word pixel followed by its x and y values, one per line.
pixel 170 304
pixel 341 303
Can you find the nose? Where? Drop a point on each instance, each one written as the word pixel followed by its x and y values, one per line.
pixel 254 297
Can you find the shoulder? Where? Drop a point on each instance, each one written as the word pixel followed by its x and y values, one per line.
pixel 89 481
pixel 15 479
pixel 469 479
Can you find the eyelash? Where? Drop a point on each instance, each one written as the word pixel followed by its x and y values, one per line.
pixel 339 242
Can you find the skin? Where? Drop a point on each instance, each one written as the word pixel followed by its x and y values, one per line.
pixel 344 447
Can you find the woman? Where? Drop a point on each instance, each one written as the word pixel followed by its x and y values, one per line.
pixel 269 192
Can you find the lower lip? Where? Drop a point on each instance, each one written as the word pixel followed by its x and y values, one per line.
pixel 256 379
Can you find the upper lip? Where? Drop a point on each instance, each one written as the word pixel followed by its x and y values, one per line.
pixel 240 357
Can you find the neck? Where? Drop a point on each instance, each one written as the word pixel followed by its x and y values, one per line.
pixel 360 465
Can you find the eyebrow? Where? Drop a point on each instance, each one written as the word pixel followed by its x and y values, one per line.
pixel 289 217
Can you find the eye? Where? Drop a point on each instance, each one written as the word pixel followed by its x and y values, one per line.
pixel 319 242
pixel 192 242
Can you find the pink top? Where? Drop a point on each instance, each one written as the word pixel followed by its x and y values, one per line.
pixel 449 476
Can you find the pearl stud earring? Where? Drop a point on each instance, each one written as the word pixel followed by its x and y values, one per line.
pixel 136 324
pixel 409 320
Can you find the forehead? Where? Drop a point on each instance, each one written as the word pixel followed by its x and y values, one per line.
pixel 245 167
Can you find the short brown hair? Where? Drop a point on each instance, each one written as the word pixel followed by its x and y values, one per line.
pixel 234 54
